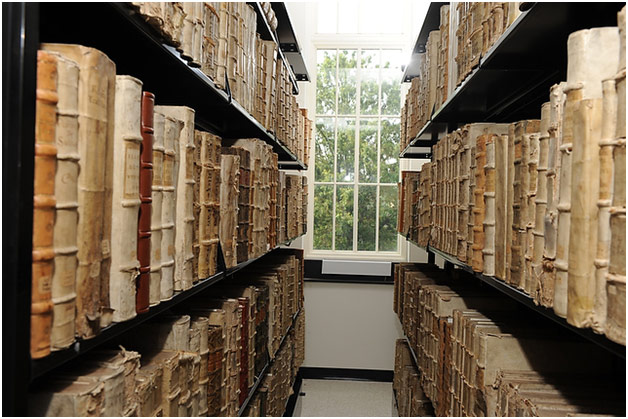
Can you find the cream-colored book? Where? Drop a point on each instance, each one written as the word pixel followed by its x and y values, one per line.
pixel 574 96
pixel 68 398
pixel 66 196
pixel 229 174
pixel 488 252
pixel 96 94
pixel 530 196
pixel 479 209
pixel 501 204
pixel 126 199
pixel 184 221
pixel 156 212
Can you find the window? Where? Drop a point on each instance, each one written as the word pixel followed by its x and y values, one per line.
pixel 363 16
pixel 356 164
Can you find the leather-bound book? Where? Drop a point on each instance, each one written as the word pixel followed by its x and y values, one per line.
pixel 96 95
pixel 550 231
pixel 184 221
pixel 245 198
pixel 142 301
pixel 126 197
pixel 43 204
pixel 210 209
pixel 156 209
pixel 501 204
pixel 66 196
pixel 172 130
pixel 68 398
pixel 229 174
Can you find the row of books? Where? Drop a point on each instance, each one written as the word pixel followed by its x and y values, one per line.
pixel 129 200
pixel 540 204
pixel 221 38
pixel 200 360
pixel 466 32
pixel 472 342
pixel 410 397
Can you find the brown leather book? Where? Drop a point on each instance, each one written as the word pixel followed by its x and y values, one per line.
pixel 142 296
pixel 245 197
pixel 43 204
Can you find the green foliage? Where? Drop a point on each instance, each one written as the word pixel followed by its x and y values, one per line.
pixel 368 150
pixel 324 150
pixel 388 197
pixel 344 217
pixel 389 161
pixel 367 199
pixel 323 211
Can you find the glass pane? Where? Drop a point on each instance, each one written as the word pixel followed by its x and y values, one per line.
pixel 369 82
pixel 367 197
pixel 324 150
pixel 389 149
pixel 370 12
pixel 347 70
pixel 388 218
pixel 326 82
pixel 345 162
pixel 327 15
pixel 368 150
pixel 323 210
pixel 344 217
pixel 348 22
pixel 391 74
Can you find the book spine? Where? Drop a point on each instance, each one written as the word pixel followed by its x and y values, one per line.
pixel 561 263
pixel 501 190
pixel 66 195
pixel 510 200
pixel 471 195
pixel 479 209
pixel 126 197
pixel 530 196
pixel 200 268
pixel 211 204
pixel 229 174
pixel 156 210
pixel 43 204
pixel 463 207
pixel 145 218
pixel 172 130
pixel 488 251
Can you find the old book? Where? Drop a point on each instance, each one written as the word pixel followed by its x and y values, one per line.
pixel 229 176
pixel 530 197
pixel 245 199
pixel 585 185
pixel 166 364
pixel 172 130
pixel 198 172
pixel 43 204
pixel 184 221
pixel 501 199
pixel 574 95
pixel 66 217
pixel 550 231
pixel 540 206
pixel 148 390
pixel 201 324
pixel 210 206
pixel 66 397
pixel 126 197
pixel 142 300
pixel 478 207
pixel 488 250
pixel 96 94
pixel 156 209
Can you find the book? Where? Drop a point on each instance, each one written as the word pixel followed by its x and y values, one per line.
pixel 229 178
pixel 126 197
pixel 172 130
pixel 530 197
pixel 489 222
pixel 43 205
pixel 68 398
pixel 142 300
pixel 477 262
pixel 96 95
pixel 502 188
pixel 245 198
pixel 63 287
pixel 184 221
pixel 156 209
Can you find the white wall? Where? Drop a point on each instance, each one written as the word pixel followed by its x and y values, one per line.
pixel 350 326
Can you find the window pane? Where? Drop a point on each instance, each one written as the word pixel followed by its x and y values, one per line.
pixel 324 150
pixel 327 15
pixel 346 150
pixel 369 82
pixel 347 70
pixel 389 148
pixel 344 217
pixel 348 22
pixel 391 74
pixel 367 197
pixel 323 210
pixel 388 218
pixel 326 82
pixel 368 150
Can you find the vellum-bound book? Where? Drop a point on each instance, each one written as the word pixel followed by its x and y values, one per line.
pixel 66 195
pixel 550 231
pixel 229 174
pixel 43 205
pixel 156 210
pixel 166 364
pixel 126 197
pixel 67 398
pixel 488 251
pixel 148 390
pixel 530 210
pixel 170 176
pixel 184 220
pixel 478 207
pixel 502 187
pixel 96 94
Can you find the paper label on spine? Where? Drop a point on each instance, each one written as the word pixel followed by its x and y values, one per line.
pixel 132 171
pixel 167 170
pixel 157 168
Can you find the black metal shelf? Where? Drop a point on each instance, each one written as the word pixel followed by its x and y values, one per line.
pixel 513 79
pixel 139 50
pixel 288 41
pixel 41 366
pixel 526 300
pixel 260 378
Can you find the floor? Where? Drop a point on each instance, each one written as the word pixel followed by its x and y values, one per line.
pixel 345 398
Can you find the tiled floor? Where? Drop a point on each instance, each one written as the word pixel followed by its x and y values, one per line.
pixel 345 398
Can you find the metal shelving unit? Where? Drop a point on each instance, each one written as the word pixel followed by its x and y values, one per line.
pixel 526 300
pixel 288 42
pixel 138 50
pixel 513 79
